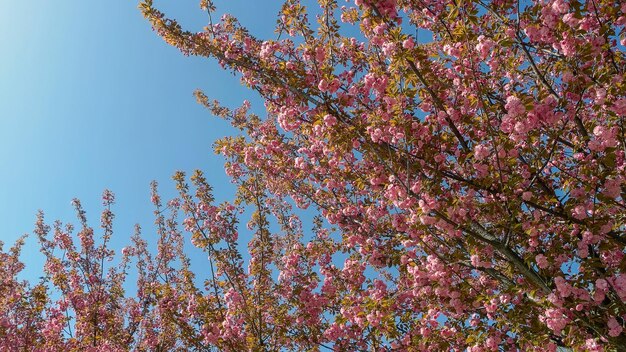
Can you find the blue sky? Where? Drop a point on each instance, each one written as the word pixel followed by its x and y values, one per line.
pixel 91 98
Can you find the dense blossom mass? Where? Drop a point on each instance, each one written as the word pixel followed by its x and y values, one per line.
pixel 465 163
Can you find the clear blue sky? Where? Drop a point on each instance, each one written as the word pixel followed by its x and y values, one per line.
pixel 91 98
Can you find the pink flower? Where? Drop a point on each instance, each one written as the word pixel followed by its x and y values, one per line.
pixel 619 106
pixel 568 45
pixel 330 120
pixel 542 261
pixel 475 260
pixel 560 6
pixel 481 152
pixel 514 106
pixel 564 288
pixel 615 329
pixel 484 46
pixel 408 43
pixel 571 20
pixel 579 212
pixel 555 320
pixel 602 285
pixel 323 85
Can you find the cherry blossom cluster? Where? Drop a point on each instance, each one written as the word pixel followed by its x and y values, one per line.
pixel 467 191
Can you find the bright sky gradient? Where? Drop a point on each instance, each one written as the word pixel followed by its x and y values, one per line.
pixel 91 98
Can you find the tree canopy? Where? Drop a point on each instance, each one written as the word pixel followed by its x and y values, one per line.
pixel 469 192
